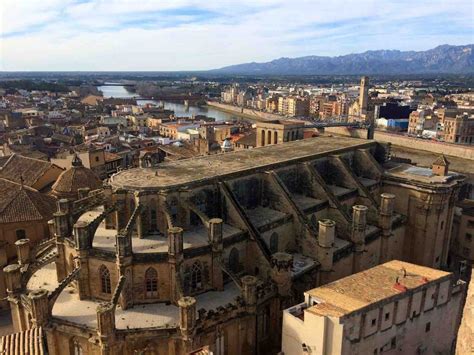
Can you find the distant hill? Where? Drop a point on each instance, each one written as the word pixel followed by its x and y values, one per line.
pixel 442 59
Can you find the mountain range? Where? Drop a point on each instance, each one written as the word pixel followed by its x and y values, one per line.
pixel 445 59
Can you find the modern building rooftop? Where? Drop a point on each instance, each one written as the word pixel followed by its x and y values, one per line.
pixel 195 170
pixel 360 290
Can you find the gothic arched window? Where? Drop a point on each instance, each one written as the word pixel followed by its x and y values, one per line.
pixel 151 282
pixel 234 264
pixel 196 276
pixel 105 279
pixel 263 137
pixel 269 139
pixel 275 137
pixel 76 348
pixel 274 243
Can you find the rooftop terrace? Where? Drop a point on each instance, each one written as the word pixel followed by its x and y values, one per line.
pixel 187 171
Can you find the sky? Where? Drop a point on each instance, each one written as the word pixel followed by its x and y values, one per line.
pixel 169 35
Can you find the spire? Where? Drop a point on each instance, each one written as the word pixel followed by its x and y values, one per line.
pixel 76 161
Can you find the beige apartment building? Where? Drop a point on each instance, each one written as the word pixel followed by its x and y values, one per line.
pixel 392 308
pixel 100 161
pixel 459 129
pixel 420 120
pixel 271 104
pixel 293 106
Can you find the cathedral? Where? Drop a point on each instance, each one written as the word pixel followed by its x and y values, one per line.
pixel 205 253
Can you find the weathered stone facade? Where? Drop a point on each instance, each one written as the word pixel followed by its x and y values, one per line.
pixel 208 251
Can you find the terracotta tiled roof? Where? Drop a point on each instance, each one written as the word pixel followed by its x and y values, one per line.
pixel 30 169
pixel 250 139
pixel 22 203
pixel 28 342
pixel 368 287
pixel 74 178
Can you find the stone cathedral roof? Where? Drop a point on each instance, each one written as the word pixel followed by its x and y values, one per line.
pixel 210 167
pixel 19 203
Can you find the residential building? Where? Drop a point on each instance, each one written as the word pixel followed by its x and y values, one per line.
pixel 393 308
pixel 293 106
pixel 459 129
pixel 272 103
pixel 101 162
pixel 36 173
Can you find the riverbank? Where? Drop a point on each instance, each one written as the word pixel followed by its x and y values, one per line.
pixel 246 113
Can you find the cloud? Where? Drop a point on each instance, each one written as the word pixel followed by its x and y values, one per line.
pixel 195 35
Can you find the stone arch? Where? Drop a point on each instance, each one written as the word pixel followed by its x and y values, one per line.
pixel 262 141
pixel 269 137
pixel 151 283
pixel 274 242
pixel 94 225
pixel 275 137
pixel 105 284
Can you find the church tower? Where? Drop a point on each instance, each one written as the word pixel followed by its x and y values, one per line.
pixel 364 94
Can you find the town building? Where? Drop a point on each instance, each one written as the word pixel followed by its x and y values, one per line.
pixel 97 159
pixel 459 129
pixel 36 173
pixel 209 251
pixel 420 120
pixel 24 213
pixel 278 131
pixel 271 104
pixel 293 106
pixel 396 307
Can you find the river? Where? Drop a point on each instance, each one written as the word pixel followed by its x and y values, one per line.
pixel 180 110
